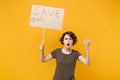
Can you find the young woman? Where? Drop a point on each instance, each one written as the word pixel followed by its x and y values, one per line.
pixel 66 57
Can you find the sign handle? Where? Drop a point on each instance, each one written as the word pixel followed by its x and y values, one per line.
pixel 43 36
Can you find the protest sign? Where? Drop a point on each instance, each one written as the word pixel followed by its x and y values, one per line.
pixel 46 17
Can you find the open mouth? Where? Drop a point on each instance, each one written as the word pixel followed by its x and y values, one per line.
pixel 68 44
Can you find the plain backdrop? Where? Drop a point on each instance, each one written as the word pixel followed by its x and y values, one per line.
pixel 98 20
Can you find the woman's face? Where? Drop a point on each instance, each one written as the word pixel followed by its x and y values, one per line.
pixel 68 41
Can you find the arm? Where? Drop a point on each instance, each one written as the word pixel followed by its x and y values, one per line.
pixel 87 59
pixel 42 56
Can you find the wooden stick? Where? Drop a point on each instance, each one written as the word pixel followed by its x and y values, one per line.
pixel 43 37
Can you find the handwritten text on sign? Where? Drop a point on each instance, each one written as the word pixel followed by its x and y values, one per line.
pixel 47 17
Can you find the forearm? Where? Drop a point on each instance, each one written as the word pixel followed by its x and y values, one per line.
pixel 87 56
pixel 42 56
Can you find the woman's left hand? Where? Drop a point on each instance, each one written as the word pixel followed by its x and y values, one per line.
pixel 87 43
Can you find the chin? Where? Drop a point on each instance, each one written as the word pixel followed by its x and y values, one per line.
pixel 68 47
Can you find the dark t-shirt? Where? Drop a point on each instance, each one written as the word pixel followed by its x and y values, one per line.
pixel 65 64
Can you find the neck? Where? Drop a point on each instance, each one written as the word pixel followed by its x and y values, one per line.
pixel 67 49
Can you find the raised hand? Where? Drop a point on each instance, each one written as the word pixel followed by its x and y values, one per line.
pixel 87 43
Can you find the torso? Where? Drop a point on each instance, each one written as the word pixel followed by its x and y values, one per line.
pixel 65 64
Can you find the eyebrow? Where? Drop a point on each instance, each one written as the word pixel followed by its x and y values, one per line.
pixel 69 38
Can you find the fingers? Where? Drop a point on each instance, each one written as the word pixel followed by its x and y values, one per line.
pixel 87 42
pixel 41 47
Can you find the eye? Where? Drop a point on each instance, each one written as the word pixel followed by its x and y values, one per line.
pixel 70 39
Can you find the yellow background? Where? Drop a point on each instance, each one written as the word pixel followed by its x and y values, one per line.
pixel 98 20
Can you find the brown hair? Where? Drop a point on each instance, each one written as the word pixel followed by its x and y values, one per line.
pixel 71 34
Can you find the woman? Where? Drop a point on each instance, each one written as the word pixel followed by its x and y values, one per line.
pixel 66 57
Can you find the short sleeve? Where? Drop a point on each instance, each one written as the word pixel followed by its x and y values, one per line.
pixel 53 53
pixel 77 54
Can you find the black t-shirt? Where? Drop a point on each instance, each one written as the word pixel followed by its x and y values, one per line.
pixel 65 64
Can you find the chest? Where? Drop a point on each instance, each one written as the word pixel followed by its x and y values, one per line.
pixel 66 59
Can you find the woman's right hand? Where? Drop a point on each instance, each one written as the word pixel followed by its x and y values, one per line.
pixel 41 47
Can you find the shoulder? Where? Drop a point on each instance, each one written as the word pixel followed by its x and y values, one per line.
pixel 55 52
pixel 76 52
